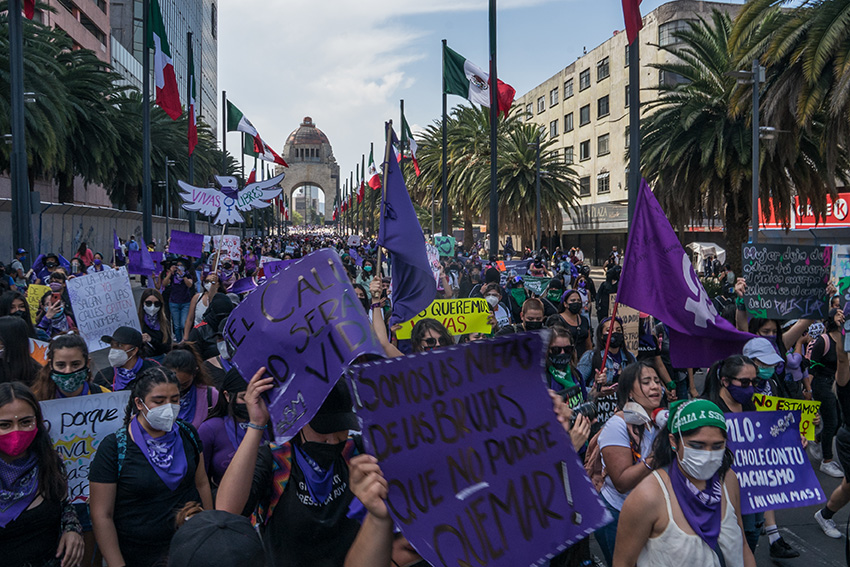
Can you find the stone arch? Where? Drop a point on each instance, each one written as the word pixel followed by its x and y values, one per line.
pixel 311 162
pixel 290 194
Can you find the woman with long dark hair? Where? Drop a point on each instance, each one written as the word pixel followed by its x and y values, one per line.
pixel 14 303
pixel 68 371
pixel 37 524
pixel 156 328
pixel 144 473
pixel 197 394
pixel 16 364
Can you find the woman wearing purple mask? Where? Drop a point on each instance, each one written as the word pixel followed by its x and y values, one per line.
pixel 97 264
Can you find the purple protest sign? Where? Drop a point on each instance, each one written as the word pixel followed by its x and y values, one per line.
pixel 305 326
pixel 271 269
pixel 479 469
pixel 186 244
pixel 772 467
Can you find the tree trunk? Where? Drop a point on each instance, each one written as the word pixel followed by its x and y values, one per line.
pixel 66 189
pixel 736 229
pixel 468 240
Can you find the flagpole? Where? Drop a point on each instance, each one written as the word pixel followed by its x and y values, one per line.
pixel 190 81
pixel 373 204
pixel 494 120
pixel 363 187
pixel 401 140
pixel 147 197
pixel 359 204
pixel 385 167
pixel 634 125
pixel 223 131
pixel 444 222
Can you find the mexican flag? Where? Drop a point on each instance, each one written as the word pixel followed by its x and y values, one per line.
pixel 464 78
pixel 408 145
pixel 29 9
pixel 374 178
pixel 193 125
pixel 252 177
pixel 236 122
pixel 265 152
pixel 167 94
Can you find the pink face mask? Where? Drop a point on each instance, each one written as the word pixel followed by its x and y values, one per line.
pixel 15 443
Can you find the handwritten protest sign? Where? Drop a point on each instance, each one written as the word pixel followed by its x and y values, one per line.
pixel 304 325
pixel 480 472
pixel 38 351
pixel 808 410
pixel 631 323
pixel 459 316
pixel 186 243
pixel 102 302
pixel 34 295
pixel 445 245
pixel 77 426
pixel 772 466
pixel 786 281
pixel 229 246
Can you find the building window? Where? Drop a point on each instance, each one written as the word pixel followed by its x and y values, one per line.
pixel 584 186
pixel 554 154
pixel 602 70
pixel 568 123
pixel 602 107
pixel 568 89
pixel 529 110
pixel 541 104
pixel 628 54
pixel 603 183
pixel 584 150
pixel 569 155
pixel 584 115
pixel 584 80
pixel 628 137
pixel 670 79
pixel 667 32
pixel 627 96
pixel 602 145
pixel 214 20
pixel 553 97
pixel 553 129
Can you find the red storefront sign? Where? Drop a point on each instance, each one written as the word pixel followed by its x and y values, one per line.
pixel 837 215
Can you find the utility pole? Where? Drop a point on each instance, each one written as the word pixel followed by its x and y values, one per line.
pixel 147 197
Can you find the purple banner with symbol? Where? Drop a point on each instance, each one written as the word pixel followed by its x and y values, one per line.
pixel 480 472
pixel 305 325
pixel 772 466
pixel 186 244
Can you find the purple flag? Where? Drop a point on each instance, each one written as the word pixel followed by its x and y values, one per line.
pixel 476 461
pixel 116 244
pixel 305 326
pixel 140 261
pixel 355 256
pixel 243 285
pixel 186 244
pixel 658 279
pixel 413 286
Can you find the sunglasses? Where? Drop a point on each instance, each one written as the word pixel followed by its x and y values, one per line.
pixel 432 342
pixel 153 303
pixel 555 350
pixel 747 382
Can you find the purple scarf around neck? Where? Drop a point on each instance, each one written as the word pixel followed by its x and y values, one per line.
pixel 123 376
pixel 18 487
pixel 701 508
pixel 319 482
pixel 165 454
pixel 152 322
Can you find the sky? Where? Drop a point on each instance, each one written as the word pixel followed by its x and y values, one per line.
pixel 347 63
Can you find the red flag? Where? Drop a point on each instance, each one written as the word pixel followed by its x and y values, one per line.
pixel 252 178
pixel 29 9
pixel 505 96
pixel 634 21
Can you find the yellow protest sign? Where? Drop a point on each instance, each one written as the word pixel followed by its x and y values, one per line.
pixel 459 316
pixel 808 410
pixel 34 295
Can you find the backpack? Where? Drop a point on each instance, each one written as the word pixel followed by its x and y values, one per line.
pixel 593 458
pixel 185 429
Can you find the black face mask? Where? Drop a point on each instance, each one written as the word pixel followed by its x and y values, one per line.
pixel 533 325
pixel 574 307
pixel 20 313
pixel 617 340
pixel 240 412
pixel 323 453
pixel 560 361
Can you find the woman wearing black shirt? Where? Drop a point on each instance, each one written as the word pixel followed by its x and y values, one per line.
pixel 571 318
pixel 156 329
pixel 818 386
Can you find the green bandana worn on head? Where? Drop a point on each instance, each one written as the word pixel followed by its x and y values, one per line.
pixel 692 414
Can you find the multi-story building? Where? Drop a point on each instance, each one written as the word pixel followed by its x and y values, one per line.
pixel 585 108
pixel 179 16
pixel 85 21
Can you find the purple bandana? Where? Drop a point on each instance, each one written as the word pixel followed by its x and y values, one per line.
pixel 188 403
pixel 152 322
pixel 165 454
pixel 319 482
pixel 236 432
pixel 123 376
pixel 18 487
pixel 701 508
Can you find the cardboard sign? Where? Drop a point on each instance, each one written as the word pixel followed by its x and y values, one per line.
pixel 445 245
pixel 77 426
pixel 229 246
pixel 772 467
pixel 186 244
pixel 305 326
pixel 808 410
pixel 500 265
pixel 786 281
pixel 34 295
pixel 459 316
pixel 631 323
pixel 102 302
pixel 480 472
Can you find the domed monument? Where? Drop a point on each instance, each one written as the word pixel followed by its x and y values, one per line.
pixel 311 162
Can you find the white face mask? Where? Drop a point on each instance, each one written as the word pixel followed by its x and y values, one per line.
pixel 118 357
pixel 492 300
pixel 151 310
pixel 699 463
pixel 162 417
pixel 634 414
pixel 208 286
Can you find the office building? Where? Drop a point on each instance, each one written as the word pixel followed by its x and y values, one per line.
pixel 85 21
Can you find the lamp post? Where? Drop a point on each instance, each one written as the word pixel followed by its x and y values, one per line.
pixel 167 196
pixel 536 145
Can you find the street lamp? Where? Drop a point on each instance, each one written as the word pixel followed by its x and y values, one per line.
pixel 536 145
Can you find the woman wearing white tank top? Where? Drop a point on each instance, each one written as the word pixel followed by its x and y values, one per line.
pixel 701 522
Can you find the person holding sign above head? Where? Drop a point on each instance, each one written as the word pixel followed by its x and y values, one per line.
pixel 144 473
pixel 701 523
pixel 38 526
pixel 125 359
pixel 156 332
pixel 300 489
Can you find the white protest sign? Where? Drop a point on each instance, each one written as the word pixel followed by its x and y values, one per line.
pixel 207 240
pixel 266 259
pixel 77 426
pixel 102 302
pixel 229 247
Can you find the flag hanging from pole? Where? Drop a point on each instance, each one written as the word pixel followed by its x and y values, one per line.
pixel 464 78
pixel 408 145
pixel 252 177
pixel 29 9
pixel 193 125
pixel 374 177
pixel 634 21
pixel 167 93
